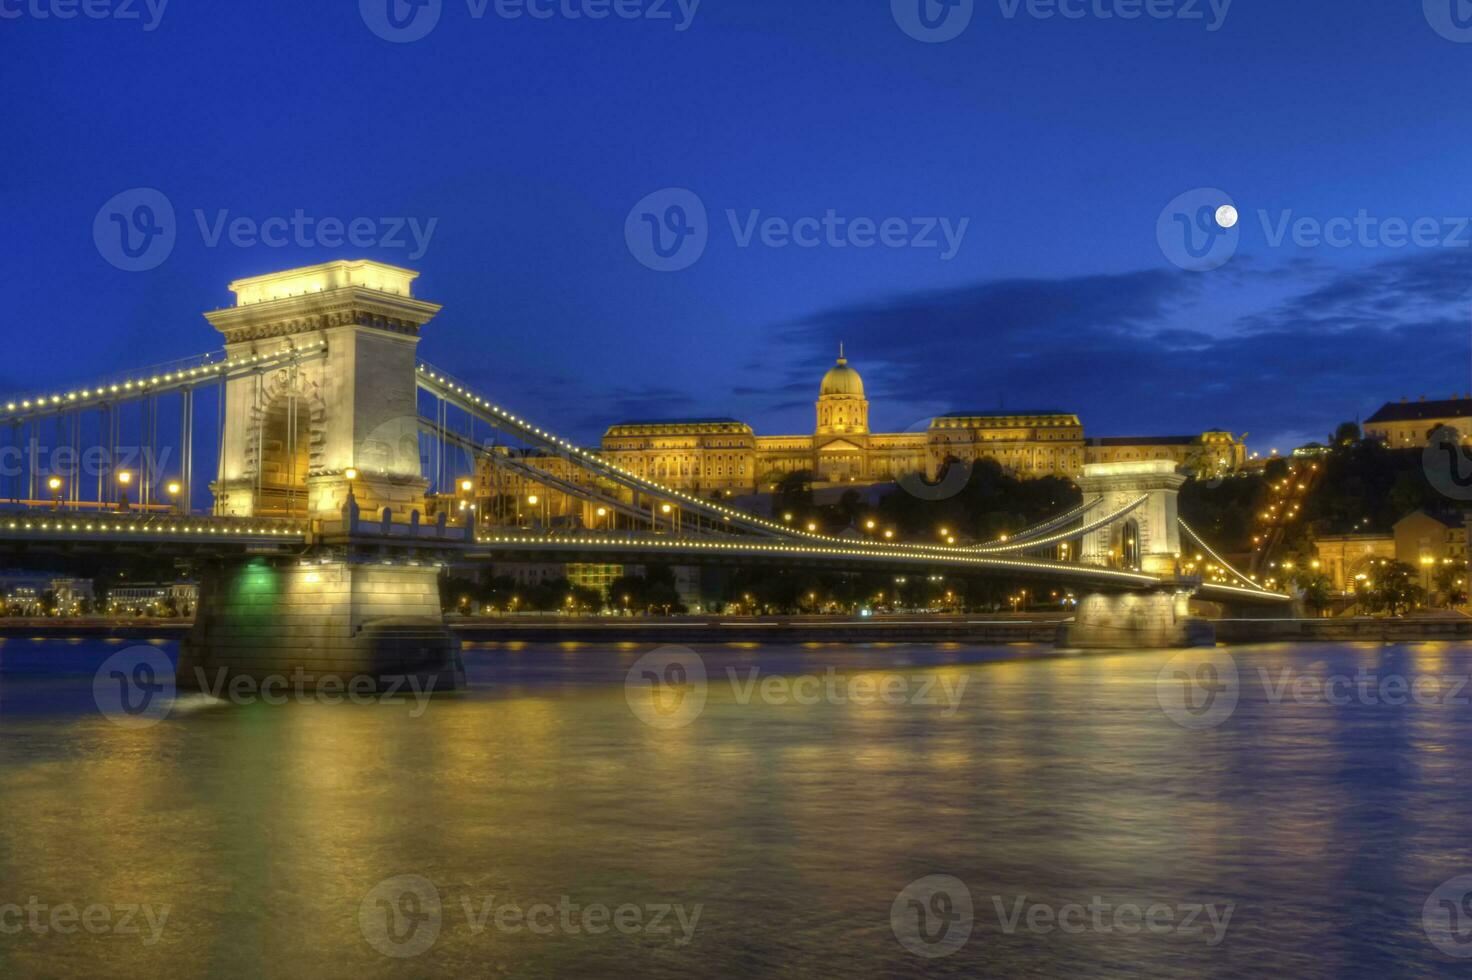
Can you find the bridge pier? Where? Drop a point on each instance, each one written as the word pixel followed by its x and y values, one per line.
pixel 1136 621
pixel 327 623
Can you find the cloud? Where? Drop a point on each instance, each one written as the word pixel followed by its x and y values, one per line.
pixel 1150 353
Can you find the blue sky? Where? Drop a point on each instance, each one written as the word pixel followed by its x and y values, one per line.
pixel 1057 143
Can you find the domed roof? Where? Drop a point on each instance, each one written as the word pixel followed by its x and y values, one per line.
pixel 842 379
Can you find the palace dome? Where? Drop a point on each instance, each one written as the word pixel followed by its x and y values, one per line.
pixel 842 379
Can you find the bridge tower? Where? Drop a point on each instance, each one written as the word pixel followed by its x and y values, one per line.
pixel 292 435
pixel 1146 539
pixel 332 436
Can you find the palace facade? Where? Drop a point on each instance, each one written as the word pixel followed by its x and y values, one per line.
pixel 726 456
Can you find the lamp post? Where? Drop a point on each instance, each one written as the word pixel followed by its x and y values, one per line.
pixel 173 489
pixel 55 485
pixel 125 480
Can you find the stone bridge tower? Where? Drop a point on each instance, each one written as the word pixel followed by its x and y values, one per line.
pixel 1147 539
pixel 293 435
pixel 342 418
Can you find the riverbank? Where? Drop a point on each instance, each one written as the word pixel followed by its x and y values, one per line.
pixel 1041 628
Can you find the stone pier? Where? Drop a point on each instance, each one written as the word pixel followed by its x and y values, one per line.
pixel 324 623
pixel 334 434
pixel 1136 621
pixel 1146 539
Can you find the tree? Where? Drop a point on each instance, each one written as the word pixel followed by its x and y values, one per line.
pixel 1318 590
pixel 1393 588
pixel 1451 584
pixel 1347 434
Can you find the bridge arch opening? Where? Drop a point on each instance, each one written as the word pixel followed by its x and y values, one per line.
pixel 288 436
pixel 1129 544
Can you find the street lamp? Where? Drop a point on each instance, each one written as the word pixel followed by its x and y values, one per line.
pixel 55 484
pixel 173 489
pixel 125 480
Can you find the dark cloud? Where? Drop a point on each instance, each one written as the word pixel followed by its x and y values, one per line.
pixel 1126 353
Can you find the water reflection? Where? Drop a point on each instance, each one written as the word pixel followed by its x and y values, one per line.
pixel 793 827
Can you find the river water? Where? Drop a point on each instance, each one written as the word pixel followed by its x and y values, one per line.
pixel 816 811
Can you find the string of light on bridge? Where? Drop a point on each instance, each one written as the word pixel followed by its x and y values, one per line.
pixel 443 384
pixel 95 395
pixel 1139 579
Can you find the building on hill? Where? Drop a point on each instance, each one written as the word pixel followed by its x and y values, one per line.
pixel 726 456
pixel 1424 539
pixel 1408 425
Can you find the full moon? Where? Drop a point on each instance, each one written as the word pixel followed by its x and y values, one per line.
pixel 1226 216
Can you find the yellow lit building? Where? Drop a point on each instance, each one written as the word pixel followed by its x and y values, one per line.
pixel 726 456
pixel 1408 425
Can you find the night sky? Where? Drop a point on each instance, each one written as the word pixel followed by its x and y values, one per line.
pixel 528 142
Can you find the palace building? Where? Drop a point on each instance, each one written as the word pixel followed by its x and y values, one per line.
pixel 726 456
pixel 1409 425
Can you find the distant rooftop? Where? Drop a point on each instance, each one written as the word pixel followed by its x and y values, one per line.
pixel 718 420
pixel 1408 411
pixel 1004 413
